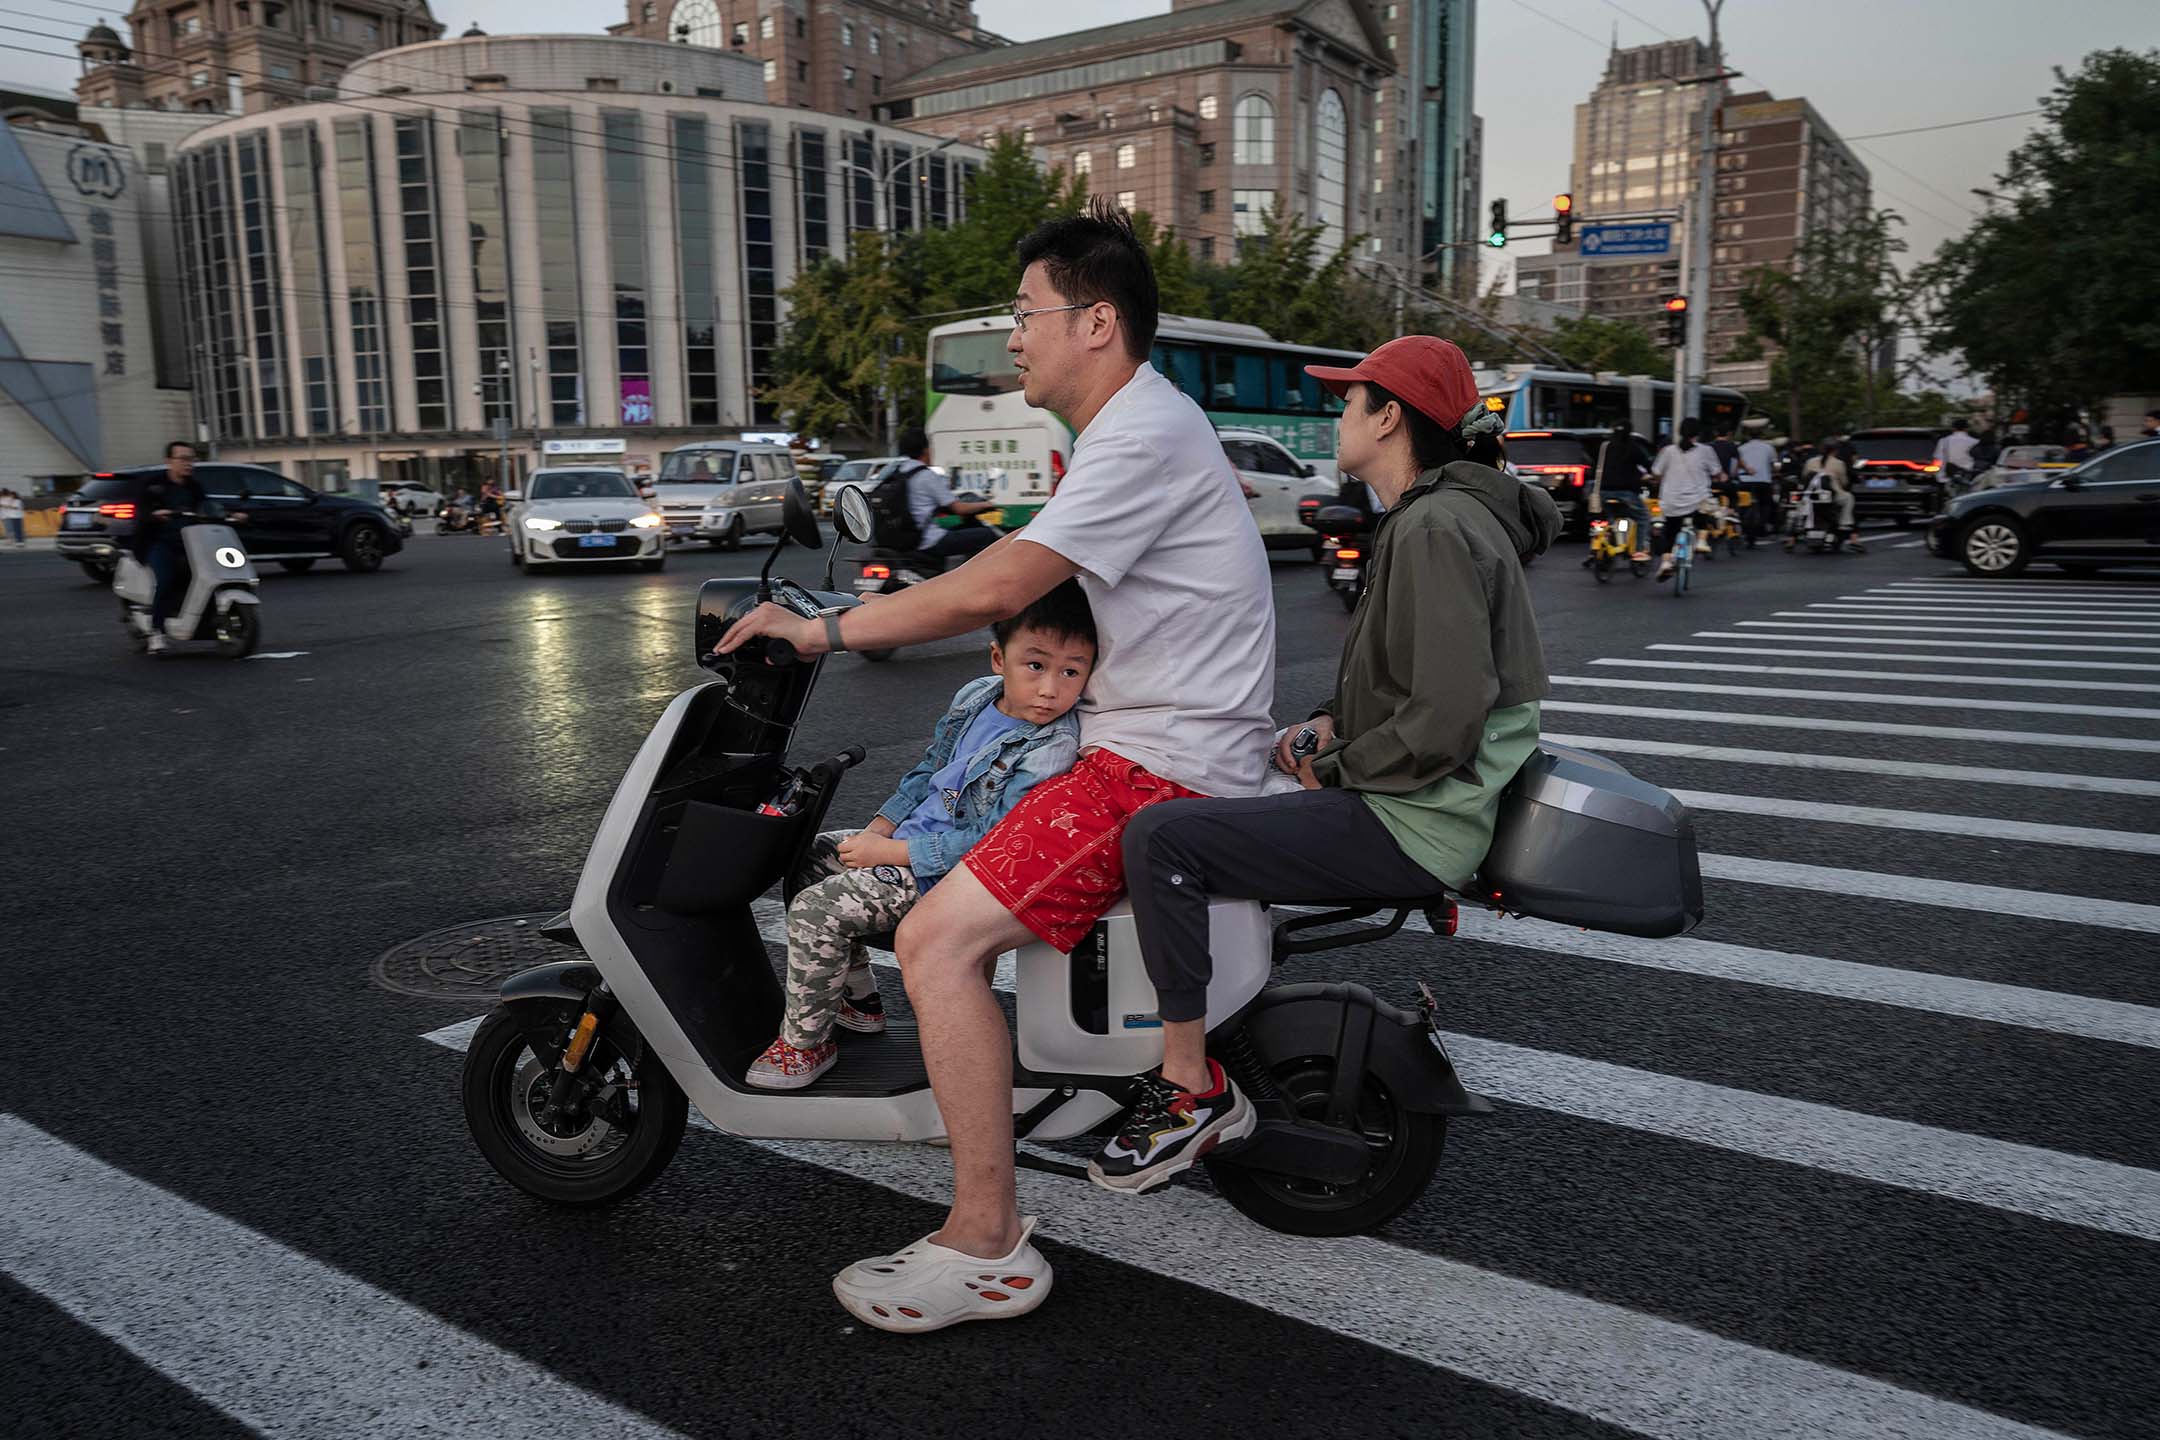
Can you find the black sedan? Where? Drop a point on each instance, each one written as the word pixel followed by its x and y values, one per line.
pixel 2107 511
pixel 287 522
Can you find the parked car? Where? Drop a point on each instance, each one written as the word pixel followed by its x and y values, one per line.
pixel 865 473
pixel 1275 479
pixel 1565 463
pixel 2105 511
pixel 1896 475
pixel 410 497
pixel 2019 464
pixel 579 514
pixel 287 522
pixel 724 490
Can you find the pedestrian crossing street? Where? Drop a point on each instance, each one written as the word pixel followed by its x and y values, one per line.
pixel 1875 1152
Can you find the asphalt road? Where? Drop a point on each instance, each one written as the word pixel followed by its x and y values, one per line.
pixel 1876 1151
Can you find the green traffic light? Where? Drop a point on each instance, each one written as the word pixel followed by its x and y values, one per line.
pixel 1497 239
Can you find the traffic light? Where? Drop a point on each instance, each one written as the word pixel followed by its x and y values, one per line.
pixel 1563 209
pixel 1676 321
pixel 1498 236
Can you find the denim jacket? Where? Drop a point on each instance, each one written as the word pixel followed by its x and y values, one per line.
pixel 996 778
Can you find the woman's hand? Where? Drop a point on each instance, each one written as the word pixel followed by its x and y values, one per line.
pixel 1323 728
pixel 863 850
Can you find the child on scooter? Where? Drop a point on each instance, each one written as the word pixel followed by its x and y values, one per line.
pixel 1003 734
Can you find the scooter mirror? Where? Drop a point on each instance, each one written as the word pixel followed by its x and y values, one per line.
pixel 851 515
pixel 799 519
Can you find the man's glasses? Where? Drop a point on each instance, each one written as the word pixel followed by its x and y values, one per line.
pixel 1020 317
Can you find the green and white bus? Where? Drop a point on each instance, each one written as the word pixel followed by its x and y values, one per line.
pixel 986 437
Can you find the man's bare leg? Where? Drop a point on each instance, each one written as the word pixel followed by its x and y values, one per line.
pixel 1184 1058
pixel 946 947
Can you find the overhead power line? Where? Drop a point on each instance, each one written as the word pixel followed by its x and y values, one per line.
pixel 1946 125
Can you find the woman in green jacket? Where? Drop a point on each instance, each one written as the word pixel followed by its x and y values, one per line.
pixel 1435 708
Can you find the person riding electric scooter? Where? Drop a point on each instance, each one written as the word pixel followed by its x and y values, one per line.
pixel 165 507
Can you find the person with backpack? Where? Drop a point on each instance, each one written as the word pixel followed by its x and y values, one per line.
pixel 908 501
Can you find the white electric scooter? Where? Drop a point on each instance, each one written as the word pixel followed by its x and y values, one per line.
pixel 577 1087
pixel 220 610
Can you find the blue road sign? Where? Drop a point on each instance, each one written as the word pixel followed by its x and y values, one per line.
pixel 1651 239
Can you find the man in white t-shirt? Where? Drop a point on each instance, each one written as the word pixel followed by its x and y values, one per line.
pixel 1151 519
pixel 1687 471
pixel 1954 452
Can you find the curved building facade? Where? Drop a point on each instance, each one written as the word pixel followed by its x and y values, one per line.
pixel 489 244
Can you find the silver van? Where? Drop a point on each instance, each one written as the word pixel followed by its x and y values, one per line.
pixel 722 490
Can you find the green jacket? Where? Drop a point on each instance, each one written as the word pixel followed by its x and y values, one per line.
pixel 1435 706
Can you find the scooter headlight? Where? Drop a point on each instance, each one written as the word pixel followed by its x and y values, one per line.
pixel 541 522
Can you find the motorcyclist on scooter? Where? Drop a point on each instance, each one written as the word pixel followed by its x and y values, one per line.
pixel 164 500
pixel 1436 708
pixel 930 496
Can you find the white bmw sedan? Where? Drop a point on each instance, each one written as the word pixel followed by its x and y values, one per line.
pixel 582 515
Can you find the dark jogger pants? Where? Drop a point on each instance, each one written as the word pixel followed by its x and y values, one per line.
pixel 1313 847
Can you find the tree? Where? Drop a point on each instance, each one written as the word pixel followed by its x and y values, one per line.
pixel 1597 342
pixel 1834 316
pixel 2054 298
pixel 972 264
pixel 848 345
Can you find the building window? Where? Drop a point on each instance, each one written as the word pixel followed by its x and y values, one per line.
pixel 1208 107
pixel 1083 162
pixel 480 146
pixel 695 22
pixel 1331 170
pixel 772 71
pixel 623 170
pixel 1207 152
pixel 1207 202
pixel 1154 114
pixel 1391 11
pixel 645 12
pixel 602 82
pixel 1379 186
pixel 1027 134
pixel 219 317
pixel 186 23
pixel 1207 250
pixel 423 286
pixel 363 270
pixel 281 72
pixel 761 330
pixel 766 26
pixel 1391 42
pixel 200 80
pixel 1127 157
pixel 303 204
pixel 555 222
pixel 258 236
pixel 802 27
pixel 862 171
pixel 810 184
pixel 989 138
pixel 739 33
pixel 694 248
pixel 1128 200
pixel 874 42
pixel 847 33
pixel 1253 131
pixel 907 177
pixel 877 84
pixel 1379 124
pixel 802 71
pixel 940 191
pixel 1248 209
pixel 1109 119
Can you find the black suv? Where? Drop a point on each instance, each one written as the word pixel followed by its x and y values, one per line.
pixel 1565 463
pixel 1896 475
pixel 287 522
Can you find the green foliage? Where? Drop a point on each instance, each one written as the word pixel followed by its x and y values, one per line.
pixel 2055 299
pixel 1594 343
pixel 1833 316
pixel 846 344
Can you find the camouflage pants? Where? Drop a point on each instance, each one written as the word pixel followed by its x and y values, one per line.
pixel 835 907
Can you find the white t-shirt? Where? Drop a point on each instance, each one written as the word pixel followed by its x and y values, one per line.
pixel 1759 459
pixel 1954 450
pixel 927 493
pixel 1685 477
pixel 1172 563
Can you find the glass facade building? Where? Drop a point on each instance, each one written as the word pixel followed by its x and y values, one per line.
pixel 431 276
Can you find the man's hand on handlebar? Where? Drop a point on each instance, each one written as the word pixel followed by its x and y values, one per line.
pixel 777 622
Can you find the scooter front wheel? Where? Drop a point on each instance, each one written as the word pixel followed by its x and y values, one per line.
pixel 1405 1146
pixel 239 631
pixel 620 1131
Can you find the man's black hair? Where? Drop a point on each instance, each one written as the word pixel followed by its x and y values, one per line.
pixel 913 442
pixel 1431 443
pixel 1093 257
pixel 172 445
pixel 1063 612
pixel 1690 432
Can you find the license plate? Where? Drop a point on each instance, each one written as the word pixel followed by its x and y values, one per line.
pixel 1345 572
pixel 1885 482
pixel 80 522
pixel 597 542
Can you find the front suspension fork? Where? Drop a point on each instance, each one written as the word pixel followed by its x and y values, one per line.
pixel 599 1007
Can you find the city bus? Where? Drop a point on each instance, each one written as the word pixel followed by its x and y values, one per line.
pixel 1537 399
pixel 987 438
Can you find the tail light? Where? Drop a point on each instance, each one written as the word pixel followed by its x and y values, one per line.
pixel 1598 527
pixel 877 572
pixel 1573 474
pixel 118 510
pixel 1348 554
pixel 1057 468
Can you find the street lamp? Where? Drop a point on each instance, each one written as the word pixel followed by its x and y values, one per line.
pixel 880 183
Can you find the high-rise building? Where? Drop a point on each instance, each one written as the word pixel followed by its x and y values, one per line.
pixel 238 57
pixel 841 57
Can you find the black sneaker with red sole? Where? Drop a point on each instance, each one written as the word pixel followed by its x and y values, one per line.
pixel 1168 1130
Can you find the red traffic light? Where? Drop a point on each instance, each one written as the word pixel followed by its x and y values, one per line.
pixel 1563 204
pixel 1677 304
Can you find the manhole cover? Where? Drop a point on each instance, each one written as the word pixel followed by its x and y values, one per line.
pixel 467 962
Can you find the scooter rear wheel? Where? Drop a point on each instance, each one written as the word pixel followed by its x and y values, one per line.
pixel 1405 1146
pixel 609 1152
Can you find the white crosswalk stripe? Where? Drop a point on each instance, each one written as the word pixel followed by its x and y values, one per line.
pixel 1857 764
pixel 1992 615
pixel 1764 721
pixel 1811 636
pixel 1985 827
pixel 1898 655
pixel 1856 697
pixel 2048 682
pixel 1936 629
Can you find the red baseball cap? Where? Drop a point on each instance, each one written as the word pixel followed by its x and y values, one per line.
pixel 1427 373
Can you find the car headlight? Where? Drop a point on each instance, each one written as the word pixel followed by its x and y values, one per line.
pixel 541 522
pixel 646 522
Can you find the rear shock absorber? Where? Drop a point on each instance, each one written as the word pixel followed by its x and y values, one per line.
pixel 1245 1067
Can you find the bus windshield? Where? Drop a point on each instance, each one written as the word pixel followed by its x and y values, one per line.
pixel 972 363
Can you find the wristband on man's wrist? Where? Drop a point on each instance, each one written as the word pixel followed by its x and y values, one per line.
pixel 832 635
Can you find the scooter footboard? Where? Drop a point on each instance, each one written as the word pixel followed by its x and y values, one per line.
pixel 1365 1035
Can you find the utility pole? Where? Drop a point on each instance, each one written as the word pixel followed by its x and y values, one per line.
pixel 1680 352
pixel 1698 270
pixel 881 198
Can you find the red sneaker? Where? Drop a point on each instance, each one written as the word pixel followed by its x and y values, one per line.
pixel 783 1067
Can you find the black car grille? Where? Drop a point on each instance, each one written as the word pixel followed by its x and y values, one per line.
pixel 586 527
pixel 578 550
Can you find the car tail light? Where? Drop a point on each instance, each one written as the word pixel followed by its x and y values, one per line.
pixel 104 474
pixel 118 510
pixel 1575 473
pixel 1348 554
pixel 877 572
pixel 1057 466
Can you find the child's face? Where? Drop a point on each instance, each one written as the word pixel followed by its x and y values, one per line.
pixel 1044 673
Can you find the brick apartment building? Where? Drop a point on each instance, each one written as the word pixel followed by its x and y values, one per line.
pixel 239 57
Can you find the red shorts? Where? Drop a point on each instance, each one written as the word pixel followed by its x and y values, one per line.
pixel 1057 861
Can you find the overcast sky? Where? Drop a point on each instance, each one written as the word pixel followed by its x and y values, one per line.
pixel 1869 66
